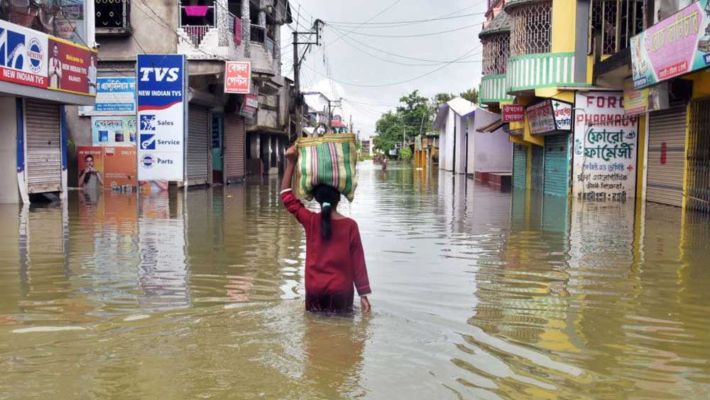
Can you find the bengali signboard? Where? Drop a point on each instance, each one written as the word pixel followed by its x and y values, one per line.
pixel 161 117
pixel 237 77
pixel 72 68
pixel 675 46
pixel 640 101
pixel 250 106
pixel 513 113
pixel 114 96
pixel 113 131
pixel 549 116
pixel 23 55
pixel 605 148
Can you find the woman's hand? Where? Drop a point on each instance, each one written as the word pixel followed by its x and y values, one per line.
pixel 292 154
pixel 365 304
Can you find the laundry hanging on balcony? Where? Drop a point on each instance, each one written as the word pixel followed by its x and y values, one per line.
pixel 237 31
pixel 196 11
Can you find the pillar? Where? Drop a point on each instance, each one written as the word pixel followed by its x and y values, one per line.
pixel 221 13
pixel 246 26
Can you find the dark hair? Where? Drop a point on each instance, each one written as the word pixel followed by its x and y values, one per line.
pixel 328 197
pixel 89 156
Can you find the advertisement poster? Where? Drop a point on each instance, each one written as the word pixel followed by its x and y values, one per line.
pixel 238 77
pixel 106 168
pixel 675 46
pixel 64 19
pixel 250 106
pixel 605 148
pixel 161 117
pixel 120 168
pixel 23 56
pixel 641 101
pixel 72 68
pixel 113 131
pixel 114 96
pixel 90 161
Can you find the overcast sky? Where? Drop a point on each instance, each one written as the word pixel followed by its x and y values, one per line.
pixel 341 67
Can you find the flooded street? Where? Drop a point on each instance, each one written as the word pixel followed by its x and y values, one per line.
pixel 476 294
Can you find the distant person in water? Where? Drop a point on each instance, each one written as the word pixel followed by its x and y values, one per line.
pixel 335 260
pixel 384 163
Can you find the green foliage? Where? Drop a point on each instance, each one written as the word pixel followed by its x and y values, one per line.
pixel 470 95
pixel 406 154
pixel 412 117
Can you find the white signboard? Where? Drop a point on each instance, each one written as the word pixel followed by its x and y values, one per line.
pixel 23 55
pixel 114 96
pixel 605 148
pixel 161 117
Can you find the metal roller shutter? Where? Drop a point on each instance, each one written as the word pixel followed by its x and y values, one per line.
pixel 520 166
pixel 44 149
pixel 198 146
pixel 538 164
pixel 666 157
pixel 557 165
pixel 234 148
pixel 699 156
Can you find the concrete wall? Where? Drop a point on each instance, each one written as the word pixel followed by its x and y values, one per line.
pixel 455 130
pixel 493 151
pixel 154 31
pixel 8 151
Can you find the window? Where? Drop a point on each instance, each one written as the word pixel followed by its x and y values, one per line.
pixel 531 29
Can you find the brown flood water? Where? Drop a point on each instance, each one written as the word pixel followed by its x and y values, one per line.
pixel 477 294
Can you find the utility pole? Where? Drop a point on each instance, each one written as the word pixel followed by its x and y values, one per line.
pixel 311 38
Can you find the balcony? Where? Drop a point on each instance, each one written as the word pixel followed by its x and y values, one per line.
pixel 113 18
pixel 494 90
pixel 535 71
pixel 208 33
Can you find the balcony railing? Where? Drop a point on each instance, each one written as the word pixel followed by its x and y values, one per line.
pixel 614 22
pixel 196 21
pixel 258 34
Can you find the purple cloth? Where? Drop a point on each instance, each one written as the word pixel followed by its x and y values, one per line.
pixel 237 31
pixel 196 11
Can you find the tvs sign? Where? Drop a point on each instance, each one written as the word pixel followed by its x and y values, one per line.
pixel 237 78
pixel 23 55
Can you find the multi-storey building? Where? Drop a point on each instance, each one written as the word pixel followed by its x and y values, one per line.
pixel 604 99
pixel 228 135
pixel 47 62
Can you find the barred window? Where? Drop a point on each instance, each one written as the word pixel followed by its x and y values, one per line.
pixel 615 22
pixel 496 49
pixel 531 30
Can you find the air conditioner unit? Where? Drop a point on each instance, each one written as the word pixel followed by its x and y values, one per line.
pixel 113 17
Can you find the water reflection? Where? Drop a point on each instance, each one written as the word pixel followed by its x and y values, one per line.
pixel 477 294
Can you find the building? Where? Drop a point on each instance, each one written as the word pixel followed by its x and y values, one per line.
pixel 467 144
pixel 227 135
pixel 593 111
pixel 47 63
pixel 451 123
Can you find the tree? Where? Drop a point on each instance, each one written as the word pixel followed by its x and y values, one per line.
pixel 470 95
pixel 412 117
pixel 441 98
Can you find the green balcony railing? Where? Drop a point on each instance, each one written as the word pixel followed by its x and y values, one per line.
pixel 535 71
pixel 493 90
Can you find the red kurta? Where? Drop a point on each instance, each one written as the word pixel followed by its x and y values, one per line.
pixel 333 266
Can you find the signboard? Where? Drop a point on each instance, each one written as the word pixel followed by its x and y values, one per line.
pixel 605 148
pixel 72 68
pixel 249 106
pixel 513 113
pixel 114 96
pixel 675 46
pixel 116 166
pixel 237 78
pixel 640 101
pixel 23 56
pixel 161 105
pixel 563 115
pixel 113 131
pixel 549 116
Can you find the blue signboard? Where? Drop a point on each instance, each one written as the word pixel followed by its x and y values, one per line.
pixel 161 82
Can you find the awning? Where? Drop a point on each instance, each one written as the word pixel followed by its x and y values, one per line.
pixel 492 127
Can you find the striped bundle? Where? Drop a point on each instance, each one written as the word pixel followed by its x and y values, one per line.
pixel 330 159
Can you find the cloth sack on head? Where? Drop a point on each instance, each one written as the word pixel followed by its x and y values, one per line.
pixel 330 159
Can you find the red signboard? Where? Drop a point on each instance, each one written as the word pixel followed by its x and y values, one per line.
pixel 72 68
pixel 513 113
pixel 237 78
